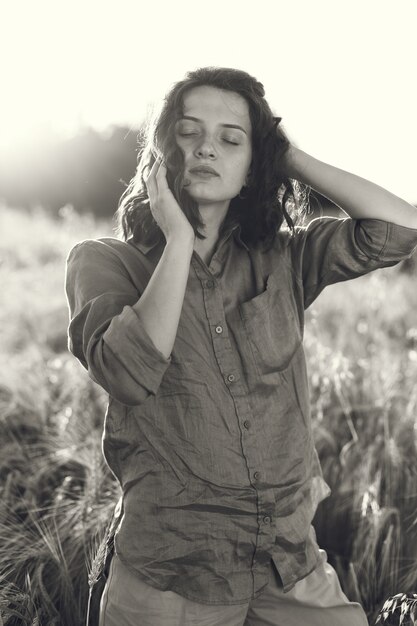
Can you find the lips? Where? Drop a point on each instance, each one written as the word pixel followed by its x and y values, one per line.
pixel 204 169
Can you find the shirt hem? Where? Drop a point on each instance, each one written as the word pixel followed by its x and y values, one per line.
pixel 188 596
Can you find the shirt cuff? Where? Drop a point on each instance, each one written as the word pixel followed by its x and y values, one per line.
pixel 130 343
pixel 385 241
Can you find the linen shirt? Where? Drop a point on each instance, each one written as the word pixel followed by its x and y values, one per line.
pixel 213 446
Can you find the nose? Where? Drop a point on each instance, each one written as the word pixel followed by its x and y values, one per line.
pixel 205 149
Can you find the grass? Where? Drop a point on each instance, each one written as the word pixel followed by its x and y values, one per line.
pixel 57 495
pixel 362 353
pixel 56 492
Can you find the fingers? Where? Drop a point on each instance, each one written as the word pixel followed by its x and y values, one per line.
pixel 156 180
pixel 150 182
pixel 161 177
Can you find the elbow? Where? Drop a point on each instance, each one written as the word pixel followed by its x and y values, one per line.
pixel 130 401
pixel 115 379
pixel 125 392
pixel 385 242
pixel 129 396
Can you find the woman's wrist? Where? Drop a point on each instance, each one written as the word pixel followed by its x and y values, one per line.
pixel 181 240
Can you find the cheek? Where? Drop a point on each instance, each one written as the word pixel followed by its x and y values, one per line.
pixel 239 169
pixel 184 149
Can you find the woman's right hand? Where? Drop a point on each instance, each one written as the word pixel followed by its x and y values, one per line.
pixel 164 207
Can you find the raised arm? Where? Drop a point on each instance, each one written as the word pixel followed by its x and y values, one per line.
pixel 160 305
pixel 381 229
pixel 123 337
pixel 358 197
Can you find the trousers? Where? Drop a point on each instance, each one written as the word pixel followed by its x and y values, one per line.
pixel 317 600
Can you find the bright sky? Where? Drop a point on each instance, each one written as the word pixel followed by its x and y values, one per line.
pixel 341 73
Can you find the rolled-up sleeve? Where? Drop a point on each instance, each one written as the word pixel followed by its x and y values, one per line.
pixel 105 333
pixel 331 250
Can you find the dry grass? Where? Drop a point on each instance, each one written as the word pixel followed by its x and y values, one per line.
pixel 57 495
pixel 361 343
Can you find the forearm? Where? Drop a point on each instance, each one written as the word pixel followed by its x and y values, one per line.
pixel 161 303
pixel 358 197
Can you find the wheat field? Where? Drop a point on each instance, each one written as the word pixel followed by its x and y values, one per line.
pixel 57 495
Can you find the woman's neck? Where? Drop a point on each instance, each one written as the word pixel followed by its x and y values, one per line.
pixel 213 216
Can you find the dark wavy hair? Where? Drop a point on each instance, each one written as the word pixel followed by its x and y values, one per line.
pixel 270 197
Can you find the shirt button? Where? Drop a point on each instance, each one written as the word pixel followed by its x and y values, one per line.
pixel 231 378
pixel 219 329
pixel 210 284
pixel 246 424
pixel 267 519
pixel 257 475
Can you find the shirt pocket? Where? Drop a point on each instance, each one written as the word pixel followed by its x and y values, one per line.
pixel 272 326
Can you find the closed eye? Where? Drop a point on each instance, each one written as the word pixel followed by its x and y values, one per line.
pixel 193 133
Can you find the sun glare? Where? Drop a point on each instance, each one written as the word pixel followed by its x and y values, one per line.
pixel 93 64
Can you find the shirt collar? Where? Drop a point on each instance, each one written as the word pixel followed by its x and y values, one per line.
pixel 234 228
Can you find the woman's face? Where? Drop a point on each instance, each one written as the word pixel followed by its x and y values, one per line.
pixel 215 131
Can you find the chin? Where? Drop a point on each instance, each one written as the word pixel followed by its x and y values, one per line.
pixel 206 198
pixel 211 201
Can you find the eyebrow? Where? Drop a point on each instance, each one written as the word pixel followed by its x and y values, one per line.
pixel 195 119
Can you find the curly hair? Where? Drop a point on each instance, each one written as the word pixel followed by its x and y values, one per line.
pixel 270 197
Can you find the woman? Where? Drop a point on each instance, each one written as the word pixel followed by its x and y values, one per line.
pixel 193 323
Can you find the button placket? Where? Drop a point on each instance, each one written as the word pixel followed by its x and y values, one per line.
pixel 234 379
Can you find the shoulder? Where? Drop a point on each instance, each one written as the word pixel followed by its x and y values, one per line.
pixel 286 241
pixel 105 258
pixel 103 248
pixel 108 262
pixel 104 245
pixel 305 241
pixel 318 229
pixel 321 223
pixel 285 236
